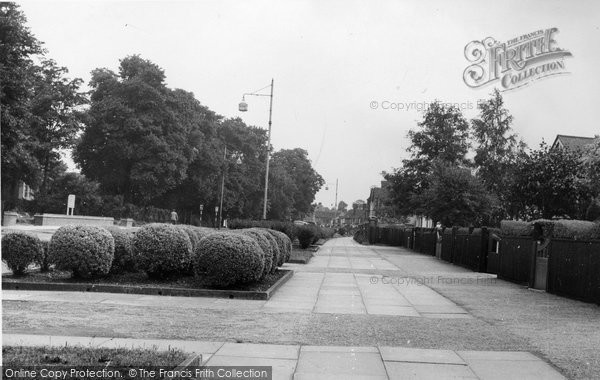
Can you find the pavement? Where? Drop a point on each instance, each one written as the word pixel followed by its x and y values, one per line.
pixel 372 287
pixel 332 362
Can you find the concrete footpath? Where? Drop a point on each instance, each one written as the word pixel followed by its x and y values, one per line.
pixel 332 362
pixel 353 312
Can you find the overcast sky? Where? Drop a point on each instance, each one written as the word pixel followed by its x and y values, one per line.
pixel 330 61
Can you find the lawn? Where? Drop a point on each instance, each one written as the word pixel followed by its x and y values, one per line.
pixel 142 280
pixel 25 356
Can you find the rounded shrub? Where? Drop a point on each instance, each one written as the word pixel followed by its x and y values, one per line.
pixel 191 233
pixel 576 230
pixel 20 250
pixel 285 246
pixel 87 251
pixel 277 253
pixel 124 260
pixel 265 246
pixel 162 250
pixel 306 236
pixel 226 258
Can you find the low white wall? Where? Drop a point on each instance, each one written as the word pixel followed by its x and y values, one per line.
pixel 63 220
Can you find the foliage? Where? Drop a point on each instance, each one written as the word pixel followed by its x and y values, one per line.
pixel 20 250
pixel 516 228
pixel 306 234
pixel 442 137
pixel 137 141
pixel 226 259
pixel 455 196
pixel 287 228
pixel 576 230
pixel 87 251
pixel 265 245
pixel 277 252
pixel 38 105
pixel 496 149
pixel 124 258
pixel 550 182
pixel 163 250
pixel 285 246
pixel 298 184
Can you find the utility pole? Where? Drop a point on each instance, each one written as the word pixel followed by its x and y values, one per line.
pixel 268 155
pixel 336 203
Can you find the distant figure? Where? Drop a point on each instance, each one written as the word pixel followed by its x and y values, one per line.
pixel 174 217
pixel 438 243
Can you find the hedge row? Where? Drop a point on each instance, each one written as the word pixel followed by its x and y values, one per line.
pixel 309 234
pixel 161 250
pixel 544 228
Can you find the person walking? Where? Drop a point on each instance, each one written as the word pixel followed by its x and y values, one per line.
pixel 174 217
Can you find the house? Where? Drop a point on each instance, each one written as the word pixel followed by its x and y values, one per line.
pixel 572 142
pixel 355 216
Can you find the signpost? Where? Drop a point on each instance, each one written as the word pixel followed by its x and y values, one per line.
pixel 70 204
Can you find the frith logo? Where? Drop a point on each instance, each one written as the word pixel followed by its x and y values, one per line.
pixel 515 63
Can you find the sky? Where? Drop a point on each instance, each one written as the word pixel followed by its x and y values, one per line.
pixel 341 69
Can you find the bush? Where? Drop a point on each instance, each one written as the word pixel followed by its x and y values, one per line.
pixel 163 250
pixel 265 245
pixel 20 250
pixel 44 260
pixel 275 249
pixel 191 233
pixel 306 236
pixel 360 236
pixel 593 211
pixel 226 259
pixel 576 229
pixel 288 228
pixel 516 228
pixel 285 246
pixel 87 251
pixel 124 259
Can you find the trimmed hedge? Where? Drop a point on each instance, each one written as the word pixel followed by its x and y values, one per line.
pixel 87 251
pixel 124 259
pixel 265 246
pixel 306 236
pixel 226 259
pixel 285 246
pixel 192 234
pixel 516 228
pixel 163 250
pixel 20 250
pixel 288 228
pixel 44 260
pixel 277 253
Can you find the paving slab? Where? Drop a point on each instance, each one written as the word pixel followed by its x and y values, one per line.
pixel 514 369
pixel 283 369
pixel 420 355
pixel 340 363
pixel 428 371
pixel 272 351
pixel 401 311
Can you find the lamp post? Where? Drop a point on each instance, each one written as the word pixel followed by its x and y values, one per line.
pixel 243 107
pixel 336 197
pixel 238 161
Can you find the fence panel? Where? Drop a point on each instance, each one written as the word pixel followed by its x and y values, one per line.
pixel 447 245
pixel 428 242
pixel 574 269
pixel 515 258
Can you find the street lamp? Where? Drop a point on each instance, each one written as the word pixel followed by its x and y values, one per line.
pixel 220 207
pixel 243 107
pixel 336 204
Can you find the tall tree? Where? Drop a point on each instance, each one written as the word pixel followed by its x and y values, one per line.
pixel 496 149
pixel 342 206
pixel 442 136
pixel 306 182
pixel 137 142
pixel 18 47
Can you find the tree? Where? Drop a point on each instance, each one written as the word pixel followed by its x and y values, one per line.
pixel 455 196
pixel 306 183
pixel 442 136
pixel 56 115
pixel 496 149
pixel 39 106
pixel 140 134
pixel 550 182
pixel 17 70
pixel 342 206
